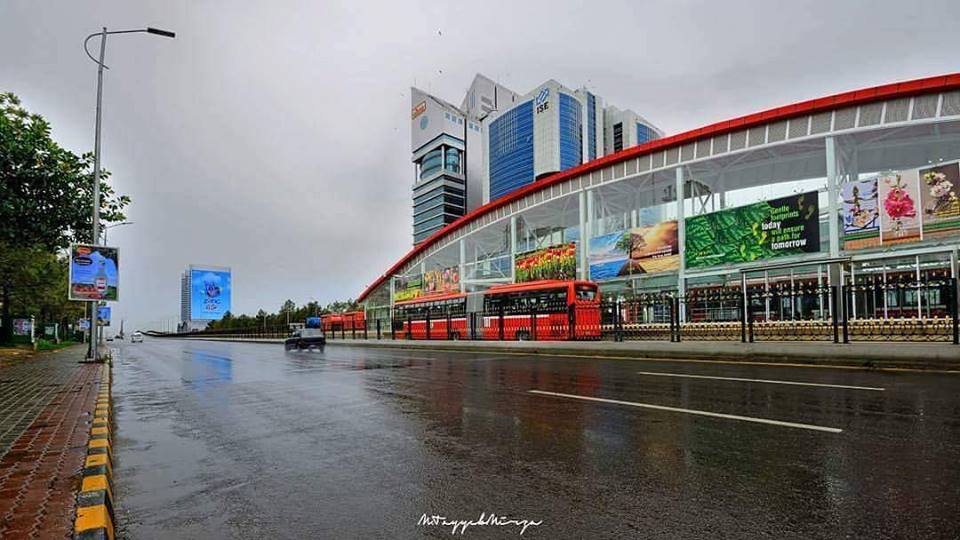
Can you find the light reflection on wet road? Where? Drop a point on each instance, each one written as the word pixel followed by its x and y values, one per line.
pixel 235 440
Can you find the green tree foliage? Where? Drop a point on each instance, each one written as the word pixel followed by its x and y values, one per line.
pixel 46 193
pixel 296 314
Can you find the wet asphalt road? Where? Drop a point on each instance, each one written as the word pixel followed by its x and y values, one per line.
pixel 236 440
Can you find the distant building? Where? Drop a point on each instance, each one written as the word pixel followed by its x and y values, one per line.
pixel 623 129
pixel 498 141
pixel 206 293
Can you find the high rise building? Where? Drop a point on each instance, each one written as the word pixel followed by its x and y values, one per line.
pixel 184 297
pixel 499 141
pixel 623 129
pixel 447 146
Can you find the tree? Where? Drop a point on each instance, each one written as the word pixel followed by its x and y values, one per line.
pixel 45 198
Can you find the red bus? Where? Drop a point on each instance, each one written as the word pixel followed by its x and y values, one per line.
pixel 410 317
pixel 542 310
pixel 340 322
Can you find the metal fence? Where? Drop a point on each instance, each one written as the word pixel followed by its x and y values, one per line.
pixel 760 314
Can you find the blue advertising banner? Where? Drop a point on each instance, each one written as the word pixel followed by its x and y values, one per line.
pixel 210 293
pixel 103 316
pixel 94 273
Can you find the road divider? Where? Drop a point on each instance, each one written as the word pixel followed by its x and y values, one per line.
pixel 95 513
pixel 695 412
pixel 764 381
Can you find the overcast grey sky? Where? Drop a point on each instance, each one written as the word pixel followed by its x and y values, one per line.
pixel 273 137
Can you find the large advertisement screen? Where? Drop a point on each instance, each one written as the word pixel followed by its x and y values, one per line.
pixel 431 282
pixel 94 273
pixel 901 206
pixel 764 230
pixel 210 293
pixel 555 262
pixel 640 250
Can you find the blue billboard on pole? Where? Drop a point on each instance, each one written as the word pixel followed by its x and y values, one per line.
pixel 210 293
pixel 103 315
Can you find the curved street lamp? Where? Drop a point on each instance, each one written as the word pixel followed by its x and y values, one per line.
pixel 92 352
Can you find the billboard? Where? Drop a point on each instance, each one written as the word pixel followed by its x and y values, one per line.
pixel 94 273
pixel 431 282
pixel 640 250
pixel 407 288
pixel 860 213
pixel 22 327
pixel 940 199
pixel 910 205
pixel 554 262
pixel 103 316
pixel 898 193
pixel 759 231
pixel 210 293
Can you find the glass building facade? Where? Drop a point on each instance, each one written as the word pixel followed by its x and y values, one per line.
pixel 511 150
pixel 571 132
pixel 439 196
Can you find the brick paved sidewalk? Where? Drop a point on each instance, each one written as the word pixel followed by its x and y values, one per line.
pixel 46 406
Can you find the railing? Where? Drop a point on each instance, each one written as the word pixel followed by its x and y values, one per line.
pixel 776 314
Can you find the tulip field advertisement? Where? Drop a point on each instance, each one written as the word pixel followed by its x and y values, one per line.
pixel 555 262
pixel 764 230
pixel 901 206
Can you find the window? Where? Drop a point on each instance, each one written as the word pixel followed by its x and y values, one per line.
pixel 586 293
pixel 618 137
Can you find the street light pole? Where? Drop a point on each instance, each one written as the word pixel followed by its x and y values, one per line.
pixel 92 351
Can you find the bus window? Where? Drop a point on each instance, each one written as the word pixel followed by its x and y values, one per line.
pixel 586 293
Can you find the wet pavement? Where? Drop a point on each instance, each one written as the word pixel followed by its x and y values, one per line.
pixel 242 440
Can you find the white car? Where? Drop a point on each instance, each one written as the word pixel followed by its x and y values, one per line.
pixel 136 337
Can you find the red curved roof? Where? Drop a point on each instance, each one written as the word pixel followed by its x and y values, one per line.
pixel 846 99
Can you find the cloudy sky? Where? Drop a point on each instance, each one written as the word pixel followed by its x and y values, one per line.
pixel 273 137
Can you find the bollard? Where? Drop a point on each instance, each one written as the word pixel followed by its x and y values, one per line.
pixel 845 309
pixel 500 317
pixel 533 323
pixel 955 309
pixel 835 315
pixel 743 319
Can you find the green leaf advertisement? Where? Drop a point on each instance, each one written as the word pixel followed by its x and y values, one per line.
pixel 759 231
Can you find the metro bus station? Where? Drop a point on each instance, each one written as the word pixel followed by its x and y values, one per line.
pixel 790 220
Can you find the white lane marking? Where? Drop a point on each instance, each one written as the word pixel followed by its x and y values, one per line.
pixel 693 411
pixel 768 381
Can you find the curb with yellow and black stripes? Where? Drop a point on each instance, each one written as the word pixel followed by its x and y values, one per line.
pixel 95 515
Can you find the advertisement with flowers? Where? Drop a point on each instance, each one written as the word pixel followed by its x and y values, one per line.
pixel 911 205
pixel 555 262
pixel 899 195
pixel 940 199
pixel 860 211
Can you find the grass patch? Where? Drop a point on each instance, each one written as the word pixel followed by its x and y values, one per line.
pixel 47 345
